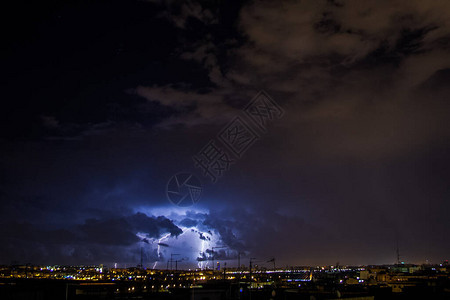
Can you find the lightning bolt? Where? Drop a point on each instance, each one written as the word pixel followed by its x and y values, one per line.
pixel 202 250
pixel 159 248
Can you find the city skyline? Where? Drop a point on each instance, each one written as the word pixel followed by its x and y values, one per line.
pixel 314 133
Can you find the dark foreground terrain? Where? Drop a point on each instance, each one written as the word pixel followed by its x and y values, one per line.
pixel 41 289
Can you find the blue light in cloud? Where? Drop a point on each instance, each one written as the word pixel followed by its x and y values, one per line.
pixel 194 243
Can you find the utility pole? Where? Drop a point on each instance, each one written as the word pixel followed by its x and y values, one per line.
pixel 250 278
pixel 171 259
pixel 176 263
pixel 250 270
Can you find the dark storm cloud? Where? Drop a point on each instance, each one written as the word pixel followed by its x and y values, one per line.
pixel 312 64
pixel 264 233
pixel 154 227
pixel 202 237
pixel 93 241
pixel 188 222
pixel 109 232
pixel 225 255
pixel 122 231
pixel 183 14
pixel 203 257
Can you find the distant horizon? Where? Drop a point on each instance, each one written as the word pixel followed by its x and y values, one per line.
pixel 268 267
pixel 243 268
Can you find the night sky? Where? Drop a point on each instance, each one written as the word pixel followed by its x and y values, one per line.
pixel 104 101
